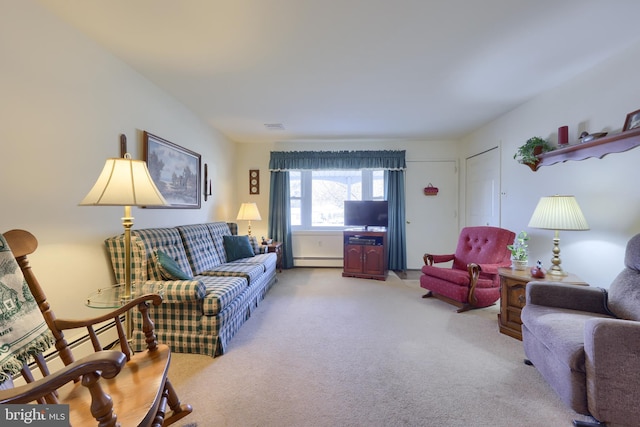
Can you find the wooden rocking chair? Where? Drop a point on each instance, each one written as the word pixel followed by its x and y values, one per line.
pixel 107 388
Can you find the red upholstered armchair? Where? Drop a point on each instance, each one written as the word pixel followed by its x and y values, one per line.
pixel 472 281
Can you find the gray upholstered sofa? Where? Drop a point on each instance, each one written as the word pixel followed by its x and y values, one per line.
pixel 585 342
pixel 212 281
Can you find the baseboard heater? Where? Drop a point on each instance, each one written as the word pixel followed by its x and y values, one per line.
pixel 318 261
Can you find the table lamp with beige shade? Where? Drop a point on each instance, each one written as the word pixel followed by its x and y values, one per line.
pixel 558 213
pixel 249 212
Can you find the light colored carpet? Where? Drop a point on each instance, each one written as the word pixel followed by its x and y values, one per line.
pixel 323 350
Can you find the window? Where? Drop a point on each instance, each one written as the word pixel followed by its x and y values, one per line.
pixel 317 197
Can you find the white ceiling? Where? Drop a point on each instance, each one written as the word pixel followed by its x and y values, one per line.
pixel 345 69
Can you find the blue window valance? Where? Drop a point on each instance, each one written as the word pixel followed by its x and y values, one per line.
pixel 335 160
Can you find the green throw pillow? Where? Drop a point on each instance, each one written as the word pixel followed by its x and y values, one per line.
pixel 169 268
pixel 237 247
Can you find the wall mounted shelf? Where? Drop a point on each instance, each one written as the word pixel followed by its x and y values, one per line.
pixel 615 143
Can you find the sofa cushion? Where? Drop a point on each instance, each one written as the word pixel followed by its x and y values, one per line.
pixel 267 260
pixel 218 230
pixel 624 292
pixel 221 228
pixel 561 330
pixel 458 277
pixel 200 247
pixel 167 240
pixel 221 291
pixel 483 245
pixel 624 295
pixel 249 271
pixel 169 268
pixel 237 247
pixel 218 244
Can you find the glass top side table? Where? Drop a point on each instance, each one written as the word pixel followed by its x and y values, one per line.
pixel 114 296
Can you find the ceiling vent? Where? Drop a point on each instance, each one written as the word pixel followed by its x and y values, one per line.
pixel 274 126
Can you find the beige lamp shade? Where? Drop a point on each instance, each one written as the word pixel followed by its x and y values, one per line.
pixel 124 182
pixel 558 213
pixel 249 211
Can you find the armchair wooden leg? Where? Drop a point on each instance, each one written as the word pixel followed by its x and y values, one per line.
pixel 465 307
pixel 428 295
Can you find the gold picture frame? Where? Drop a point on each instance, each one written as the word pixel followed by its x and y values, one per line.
pixel 175 171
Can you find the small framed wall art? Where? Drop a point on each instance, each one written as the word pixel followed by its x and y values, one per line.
pixel 254 181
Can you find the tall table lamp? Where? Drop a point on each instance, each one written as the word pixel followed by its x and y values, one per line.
pixel 249 212
pixel 125 182
pixel 558 213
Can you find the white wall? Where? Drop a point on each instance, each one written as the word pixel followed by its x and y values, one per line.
pixel 606 189
pixel 64 103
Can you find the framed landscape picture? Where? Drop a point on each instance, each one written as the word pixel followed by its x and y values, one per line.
pixel 175 171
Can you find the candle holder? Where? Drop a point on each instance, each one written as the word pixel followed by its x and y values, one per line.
pixel 207 183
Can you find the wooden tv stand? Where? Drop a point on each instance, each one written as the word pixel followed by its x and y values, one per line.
pixel 365 254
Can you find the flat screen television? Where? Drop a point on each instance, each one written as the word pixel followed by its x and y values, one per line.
pixel 366 213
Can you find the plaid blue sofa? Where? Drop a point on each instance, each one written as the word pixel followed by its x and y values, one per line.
pixel 202 314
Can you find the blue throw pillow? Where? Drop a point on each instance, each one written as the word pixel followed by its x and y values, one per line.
pixel 169 268
pixel 237 247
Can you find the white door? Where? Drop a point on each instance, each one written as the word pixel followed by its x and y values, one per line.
pixel 432 221
pixel 483 189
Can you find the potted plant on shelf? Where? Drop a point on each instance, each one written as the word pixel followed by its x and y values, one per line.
pixel 520 251
pixel 528 152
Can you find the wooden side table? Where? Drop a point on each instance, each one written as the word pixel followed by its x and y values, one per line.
pixel 277 248
pixel 513 284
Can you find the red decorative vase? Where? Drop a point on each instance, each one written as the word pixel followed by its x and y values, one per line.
pixel 538 273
